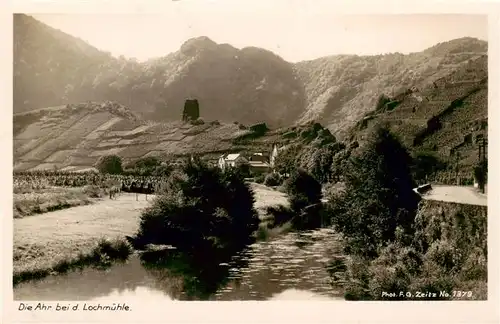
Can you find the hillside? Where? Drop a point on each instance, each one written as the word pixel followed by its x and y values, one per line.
pixel 446 117
pixel 247 85
pixel 341 89
pixel 75 136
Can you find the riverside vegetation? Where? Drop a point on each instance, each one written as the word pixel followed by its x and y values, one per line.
pixel 392 241
pixel 349 174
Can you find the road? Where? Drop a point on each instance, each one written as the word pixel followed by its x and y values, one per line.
pixel 456 194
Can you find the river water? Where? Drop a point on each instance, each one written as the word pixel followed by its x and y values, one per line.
pixel 290 267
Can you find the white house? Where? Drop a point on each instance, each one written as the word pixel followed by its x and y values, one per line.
pixel 230 160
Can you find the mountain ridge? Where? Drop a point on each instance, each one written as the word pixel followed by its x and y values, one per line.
pixel 95 104
pixel 248 85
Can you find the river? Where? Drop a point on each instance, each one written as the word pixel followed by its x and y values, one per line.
pixel 290 267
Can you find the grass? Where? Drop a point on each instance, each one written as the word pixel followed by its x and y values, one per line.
pixel 41 242
pixel 101 255
pixel 65 239
pixel 51 199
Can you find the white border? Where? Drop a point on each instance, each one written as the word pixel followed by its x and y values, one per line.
pixel 256 312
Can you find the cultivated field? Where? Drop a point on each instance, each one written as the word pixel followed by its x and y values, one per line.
pixel 43 240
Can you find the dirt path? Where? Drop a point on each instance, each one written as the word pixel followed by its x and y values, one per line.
pixel 457 194
pixel 265 196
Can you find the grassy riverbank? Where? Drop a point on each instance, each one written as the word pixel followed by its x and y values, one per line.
pixel 33 202
pixel 63 236
pixel 55 242
pixel 101 255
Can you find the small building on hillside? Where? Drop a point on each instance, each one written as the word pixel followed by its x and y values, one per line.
pixel 259 167
pixel 231 160
pixel 258 162
pixel 260 157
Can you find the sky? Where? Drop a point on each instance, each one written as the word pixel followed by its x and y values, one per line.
pixel 294 33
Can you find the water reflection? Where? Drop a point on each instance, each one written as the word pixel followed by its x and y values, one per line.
pixel 274 270
pixel 191 276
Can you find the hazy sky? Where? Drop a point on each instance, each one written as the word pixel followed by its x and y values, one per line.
pixel 293 33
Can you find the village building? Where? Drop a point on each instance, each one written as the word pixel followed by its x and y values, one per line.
pixel 231 160
pixel 257 162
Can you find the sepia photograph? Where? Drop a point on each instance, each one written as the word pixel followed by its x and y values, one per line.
pixel 199 155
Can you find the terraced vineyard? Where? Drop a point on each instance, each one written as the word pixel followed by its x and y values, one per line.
pixel 446 117
pixel 74 137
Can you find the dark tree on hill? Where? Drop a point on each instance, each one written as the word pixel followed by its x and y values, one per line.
pixel 111 164
pixel 191 110
pixel 286 160
pixel 319 160
pixel 201 210
pixel 378 197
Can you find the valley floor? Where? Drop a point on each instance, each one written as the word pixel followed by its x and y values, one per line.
pixel 43 240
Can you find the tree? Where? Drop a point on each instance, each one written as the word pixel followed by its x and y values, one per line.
pixel 191 110
pixel 111 164
pixel 304 196
pixel 378 197
pixel 426 164
pixel 243 168
pixel 286 160
pixel 202 209
pixel 481 173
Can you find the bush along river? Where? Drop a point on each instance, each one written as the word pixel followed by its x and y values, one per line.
pixel 292 266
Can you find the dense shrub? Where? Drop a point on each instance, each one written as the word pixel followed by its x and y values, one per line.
pixel 198 121
pixel 201 209
pixel 304 196
pixel 426 164
pixel 378 196
pixel 93 191
pixel 279 215
pixel 303 190
pixel 273 180
pixel 448 253
pixel 260 178
pixel 111 164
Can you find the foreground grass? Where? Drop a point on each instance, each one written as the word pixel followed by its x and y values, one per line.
pixel 55 241
pixel 51 199
pixel 41 242
pixel 101 255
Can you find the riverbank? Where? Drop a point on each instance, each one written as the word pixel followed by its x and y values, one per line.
pixel 44 241
pixel 50 241
pixel 289 264
pixel 35 202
